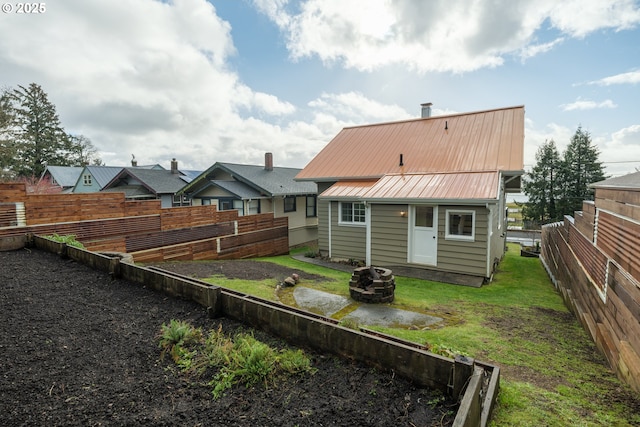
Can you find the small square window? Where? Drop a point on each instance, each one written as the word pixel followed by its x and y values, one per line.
pixel 460 225
pixel 352 213
pixel 86 179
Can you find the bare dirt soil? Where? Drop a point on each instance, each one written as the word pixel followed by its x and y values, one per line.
pixel 240 269
pixel 78 348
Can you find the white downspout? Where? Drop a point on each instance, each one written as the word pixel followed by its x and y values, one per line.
pixel 329 226
pixel 367 221
pixel 489 240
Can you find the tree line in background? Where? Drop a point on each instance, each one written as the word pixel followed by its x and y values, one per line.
pixel 557 186
pixel 31 136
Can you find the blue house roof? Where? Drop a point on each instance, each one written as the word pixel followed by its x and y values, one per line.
pixel 263 182
pixel 64 176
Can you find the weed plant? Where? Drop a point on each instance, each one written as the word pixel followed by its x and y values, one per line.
pixel 241 359
pixel 69 240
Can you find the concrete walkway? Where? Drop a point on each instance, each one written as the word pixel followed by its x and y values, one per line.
pixel 327 304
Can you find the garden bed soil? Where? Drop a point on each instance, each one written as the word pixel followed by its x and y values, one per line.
pixel 78 348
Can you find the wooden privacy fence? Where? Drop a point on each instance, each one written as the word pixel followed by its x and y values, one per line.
pixel 108 222
pixel 603 295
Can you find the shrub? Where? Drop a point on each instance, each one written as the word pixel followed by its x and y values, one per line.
pixel 239 360
pixel 69 240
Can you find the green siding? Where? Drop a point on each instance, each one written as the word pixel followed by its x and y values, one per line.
pixel 347 242
pixel 323 227
pixel 323 223
pixel 389 239
pixel 464 256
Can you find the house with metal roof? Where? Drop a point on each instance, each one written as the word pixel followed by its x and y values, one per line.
pixel 94 178
pixel 143 184
pixel 252 189
pixel 426 193
pixel 64 177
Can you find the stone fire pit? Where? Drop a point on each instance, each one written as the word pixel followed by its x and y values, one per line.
pixel 372 284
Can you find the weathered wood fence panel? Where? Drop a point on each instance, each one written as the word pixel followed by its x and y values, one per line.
pixel 601 293
pixel 621 240
pixel 107 222
pixel 8 215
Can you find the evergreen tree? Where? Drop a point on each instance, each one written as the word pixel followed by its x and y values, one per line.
pixel 581 167
pixel 558 187
pixel 36 136
pixel 7 147
pixel 543 186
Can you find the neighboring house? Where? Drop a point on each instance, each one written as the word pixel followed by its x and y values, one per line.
pixel 143 184
pixel 254 189
pixel 64 177
pixel 428 192
pixel 94 178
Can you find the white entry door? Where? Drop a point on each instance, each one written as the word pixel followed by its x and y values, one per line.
pixel 424 234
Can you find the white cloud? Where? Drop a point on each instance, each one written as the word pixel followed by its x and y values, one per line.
pixel 437 35
pixel 354 108
pixel 585 104
pixel 147 78
pixel 578 18
pixel 620 152
pixel 631 77
pixel 532 50
pixel 535 137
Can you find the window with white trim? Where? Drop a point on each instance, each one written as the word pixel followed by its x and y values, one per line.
pixel 352 213
pixel 87 179
pixel 460 225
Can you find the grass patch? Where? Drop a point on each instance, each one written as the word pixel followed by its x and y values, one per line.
pixel 241 359
pixel 552 373
pixel 69 240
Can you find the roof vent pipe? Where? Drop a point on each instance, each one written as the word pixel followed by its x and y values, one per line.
pixel 446 125
pixel 401 160
pixel 426 110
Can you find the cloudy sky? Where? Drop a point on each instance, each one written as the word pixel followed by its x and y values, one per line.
pixel 228 80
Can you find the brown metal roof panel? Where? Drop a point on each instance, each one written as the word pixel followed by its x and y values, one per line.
pixel 347 189
pixel 446 186
pixel 489 140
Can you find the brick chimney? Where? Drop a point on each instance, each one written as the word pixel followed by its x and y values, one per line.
pixel 426 110
pixel 174 166
pixel 268 161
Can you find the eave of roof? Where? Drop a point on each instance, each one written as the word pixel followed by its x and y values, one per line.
pixel 471 187
pixel 625 182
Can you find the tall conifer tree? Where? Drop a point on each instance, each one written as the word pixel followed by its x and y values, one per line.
pixel 542 185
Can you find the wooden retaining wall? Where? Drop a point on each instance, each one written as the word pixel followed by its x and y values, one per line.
pixel 602 294
pixel 107 222
pixel 474 383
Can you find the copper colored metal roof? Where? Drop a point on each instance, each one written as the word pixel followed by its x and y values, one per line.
pixel 491 140
pixel 347 190
pixel 471 186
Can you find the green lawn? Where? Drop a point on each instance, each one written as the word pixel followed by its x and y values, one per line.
pixel 552 373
